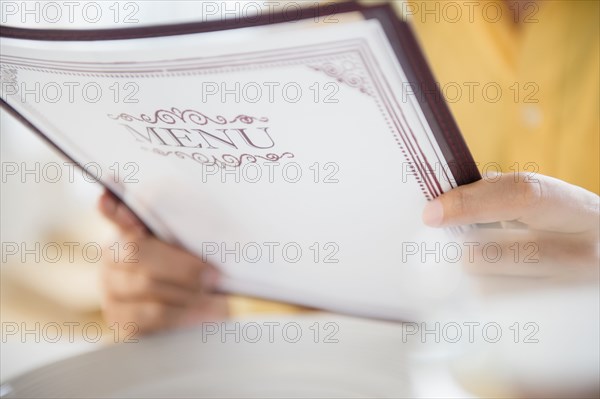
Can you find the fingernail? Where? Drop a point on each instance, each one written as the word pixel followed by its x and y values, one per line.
pixel 108 204
pixel 209 278
pixel 433 214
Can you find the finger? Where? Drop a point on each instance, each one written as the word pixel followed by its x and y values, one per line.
pixel 542 202
pixel 146 316
pixel 118 213
pixel 170 264
pixel 529 253
pixel 212 307
pixel 183 267
pixel 126 285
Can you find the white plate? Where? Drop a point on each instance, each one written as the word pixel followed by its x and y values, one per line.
pixel 366 361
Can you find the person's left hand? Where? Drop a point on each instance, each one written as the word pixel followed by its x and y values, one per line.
pixel 558 224
pixel 155 285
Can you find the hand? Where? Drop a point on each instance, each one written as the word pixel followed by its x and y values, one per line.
pixel 155 285
pixel 562 220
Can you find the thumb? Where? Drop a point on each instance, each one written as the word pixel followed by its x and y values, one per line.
pixel 541 202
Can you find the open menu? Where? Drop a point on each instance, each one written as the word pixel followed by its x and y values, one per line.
pixel 294 151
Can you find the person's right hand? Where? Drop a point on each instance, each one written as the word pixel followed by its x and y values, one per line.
pixel 152 284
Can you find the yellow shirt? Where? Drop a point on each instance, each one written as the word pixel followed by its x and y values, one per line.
pixel 534 104
pixel 526 96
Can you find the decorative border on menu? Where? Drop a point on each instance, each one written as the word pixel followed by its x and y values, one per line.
pixel 398 32
pixel 366 75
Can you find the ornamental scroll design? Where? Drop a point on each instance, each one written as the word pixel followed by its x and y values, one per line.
pixel 345 71
pixel 175 115
pixel 224 160
pixel 8 79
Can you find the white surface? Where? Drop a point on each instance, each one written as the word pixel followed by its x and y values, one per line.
pixel 369 359
pixel 19 355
